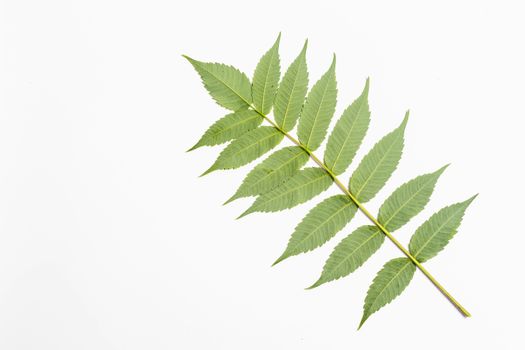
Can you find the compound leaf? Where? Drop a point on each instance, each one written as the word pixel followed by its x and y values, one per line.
pixel 292 90
pixel 378 165
pixel 230 127
pixel 389 282
pixel 348 133
pixel 435 233
pixel 301 187
pixel 320 224
pixel 351 253
pixel 318 110
pixel 247 148
pixel 280 182
pixel 266 79
pixel 228 86
pixel 272 172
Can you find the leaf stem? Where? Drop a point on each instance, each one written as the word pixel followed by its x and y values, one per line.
pixel 346 191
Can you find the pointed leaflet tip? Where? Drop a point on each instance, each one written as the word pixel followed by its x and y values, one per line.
pixel 248 211
pixel 363 319
pixel 277 42
pixel 191 60
pixel 279 259
pixel 442 169
pixel 331 69
pixel 196 64
pixel 303 51
pixel 405 121
pixel 231 199
pixel 194 147
pixel 212 168
pixel 468 201
pixel 366 88
pixel 315 285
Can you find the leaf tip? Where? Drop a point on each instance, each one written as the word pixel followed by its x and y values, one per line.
pixel 211 169
pixel 305 46
pixel 315 285
pixel 194 147
pixel 405 120
pixel 367 87
pixel 248 211
pixel 279 259
pixel 191 60
pixel 468 201
pixel 442 169
pixel 363 319
pixel 231 199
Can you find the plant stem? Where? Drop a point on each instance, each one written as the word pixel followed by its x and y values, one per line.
pixel 346 191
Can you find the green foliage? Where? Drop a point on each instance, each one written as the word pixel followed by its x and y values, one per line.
pixel 227 85
pixel 348 134
pixel 430 238
pixel 301 187
pixel 351 253
pixel 403 204
pixel 320 224
pixel 273 171
pixel 408 200
pixel 230 127
pixel 280 182
pixel 389 282
pixel 378 165
pixel 291 93
pixel 435 233
pixel 266 79
pixel 318 110
pixel 247 148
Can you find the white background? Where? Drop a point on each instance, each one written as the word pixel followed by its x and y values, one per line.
pixel 109 240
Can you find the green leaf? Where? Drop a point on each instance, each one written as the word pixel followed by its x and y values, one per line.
pixel 351 253
pixel 280 181
pixel 408 200
pixel 348 133
pixel 389 282
pixel 292 90
pixel 435 233
pixel 303 186
pixel 228 86
pixel 273 171
pixel 378 165
pixel 247 148
pixel 318 110
pixel 230 127
pixel 266 79
pixel 320 224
